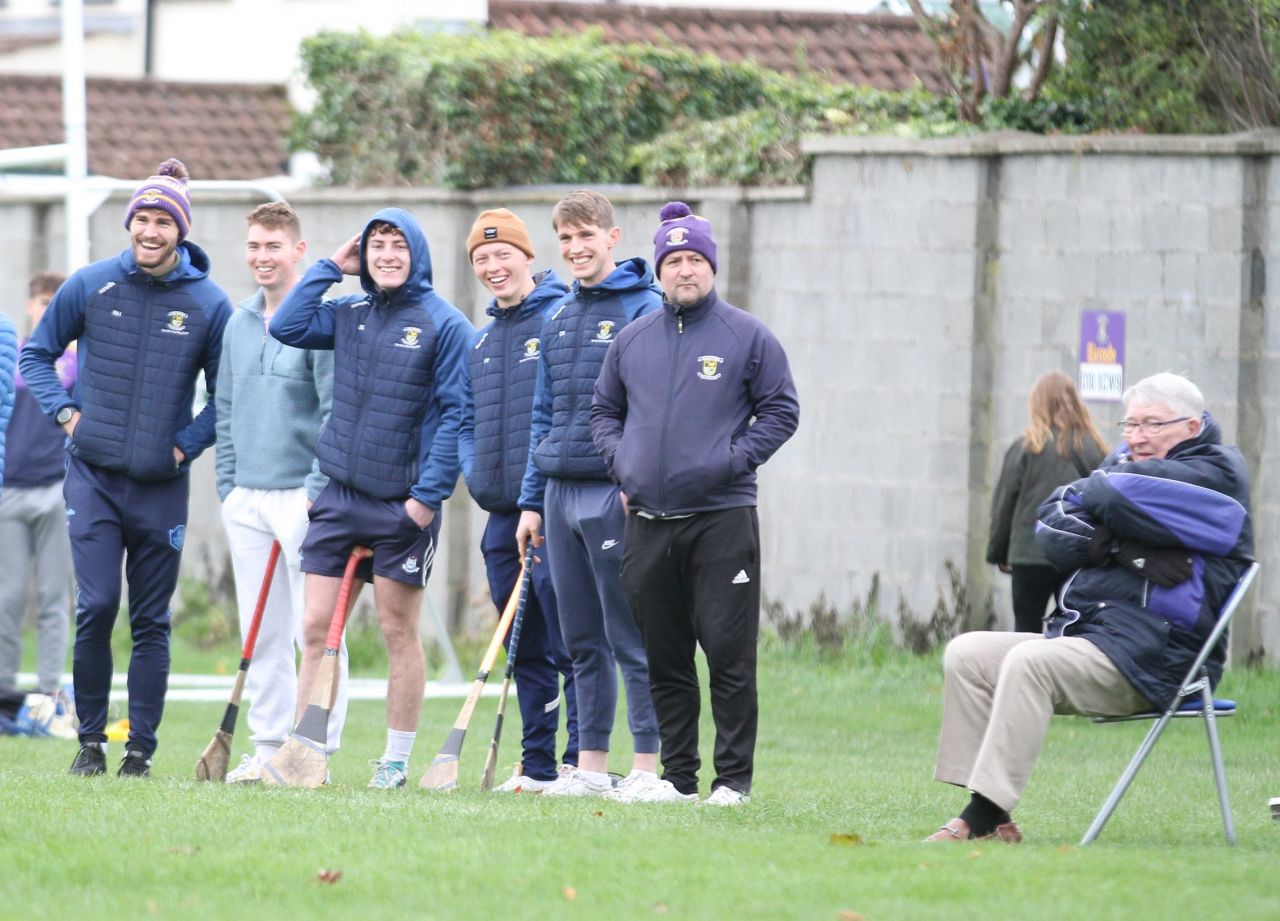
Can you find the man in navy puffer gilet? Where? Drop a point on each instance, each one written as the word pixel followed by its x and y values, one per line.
pixel 493 446
pixel 146 323
pixel 566 482
pixel 389 446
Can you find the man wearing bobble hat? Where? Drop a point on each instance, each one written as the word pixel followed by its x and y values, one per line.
pixel 690 401
pixel 147 321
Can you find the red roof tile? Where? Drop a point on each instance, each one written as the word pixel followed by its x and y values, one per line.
pixel 220 130
pixel 886 52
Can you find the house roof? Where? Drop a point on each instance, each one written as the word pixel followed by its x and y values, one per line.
pixel 883 51
pixel 219 130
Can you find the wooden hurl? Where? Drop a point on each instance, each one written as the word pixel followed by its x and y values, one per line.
pixel 213 763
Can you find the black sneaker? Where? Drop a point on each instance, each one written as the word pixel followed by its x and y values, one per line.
pixel 91 760
pixel 134 764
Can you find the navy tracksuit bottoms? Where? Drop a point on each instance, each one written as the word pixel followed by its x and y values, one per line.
pixel 583 524
pixel 112 516
pixel 541 658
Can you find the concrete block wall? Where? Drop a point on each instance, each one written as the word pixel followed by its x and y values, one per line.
pixel 919 288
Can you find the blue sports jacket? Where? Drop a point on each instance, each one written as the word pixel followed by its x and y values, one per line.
pixel 1195 498
pixel 574 341
pixel 141 342
pixel 689 403
pixel 501 373
pixel 8 370
pixel 397 379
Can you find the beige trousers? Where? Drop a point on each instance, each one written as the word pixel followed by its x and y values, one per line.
pixel 999 691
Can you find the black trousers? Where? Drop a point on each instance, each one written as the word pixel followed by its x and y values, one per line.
pixel 1032 587
pixel 696 581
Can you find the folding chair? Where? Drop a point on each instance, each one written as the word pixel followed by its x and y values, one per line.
pixel 1201 706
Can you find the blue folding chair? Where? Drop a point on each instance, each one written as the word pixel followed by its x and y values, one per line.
pixel 1194 700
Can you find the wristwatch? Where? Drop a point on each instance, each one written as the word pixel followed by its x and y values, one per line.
pixel 64 415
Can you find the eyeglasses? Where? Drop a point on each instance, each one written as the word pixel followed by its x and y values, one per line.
pixel 1149 426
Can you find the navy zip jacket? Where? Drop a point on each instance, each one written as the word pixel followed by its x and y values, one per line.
pixel 142 341
pixel 674 406
pixel 1195 498
pixel 574 341
pixel 500 376
pixel 397 377
pixel 8 371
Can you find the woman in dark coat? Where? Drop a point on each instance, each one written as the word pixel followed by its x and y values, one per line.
pixel 1061 444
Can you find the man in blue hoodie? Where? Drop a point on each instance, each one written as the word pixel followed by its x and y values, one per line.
pixel 389 448
pixel 493 447
pixel 690 401
pixel 566 483
pixel 147 323
pixel 272 402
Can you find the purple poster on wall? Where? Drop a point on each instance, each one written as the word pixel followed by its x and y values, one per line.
pixel 1101 355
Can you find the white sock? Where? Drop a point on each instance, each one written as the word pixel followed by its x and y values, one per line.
pixel 399 746
pixel 597 777
pixel 265 751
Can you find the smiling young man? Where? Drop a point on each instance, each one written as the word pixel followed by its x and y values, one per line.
pixel 389 448
pixel 689 403
pixel 272 403
pixel 567 485
pixel 1154 541
pixel 147 323
pixel 493 446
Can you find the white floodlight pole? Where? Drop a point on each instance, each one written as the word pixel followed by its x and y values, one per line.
pixel 75 127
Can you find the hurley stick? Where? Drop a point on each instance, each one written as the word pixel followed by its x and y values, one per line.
pixel 443 772
pixel 213 763
pixel 302 760
pixel 491 760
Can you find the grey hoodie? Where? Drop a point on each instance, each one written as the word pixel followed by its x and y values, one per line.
pixel 272 400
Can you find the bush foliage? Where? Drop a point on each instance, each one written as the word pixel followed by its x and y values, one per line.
pixel 497 108
pixel 1172 66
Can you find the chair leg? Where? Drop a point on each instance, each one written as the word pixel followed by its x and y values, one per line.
pixel 1219 771
pixel 1122 785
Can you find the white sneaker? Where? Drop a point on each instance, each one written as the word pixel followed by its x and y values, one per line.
pixel 576 783
pixel 522 783
pixel 645 787
pixel 726 796
pixel 247 771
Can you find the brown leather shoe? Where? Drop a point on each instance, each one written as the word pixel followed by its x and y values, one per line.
pixel 955 830
pixel 1008 832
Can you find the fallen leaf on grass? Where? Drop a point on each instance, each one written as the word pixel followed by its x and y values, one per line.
pixel 974 855
pixel 660 908
pixel 184 849
pixel 328 876
pixel 153 907
pixel 570 894
pixel 847 839
pixel 1066 848
pixel 847 915
pixel 598 813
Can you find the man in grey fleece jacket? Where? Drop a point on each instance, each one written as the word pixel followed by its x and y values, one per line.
pixel 272 400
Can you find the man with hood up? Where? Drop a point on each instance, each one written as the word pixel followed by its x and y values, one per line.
pixel 389 448
pixel 147 321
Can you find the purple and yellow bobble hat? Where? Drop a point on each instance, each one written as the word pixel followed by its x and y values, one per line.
pixel 682 229
pixel 167 190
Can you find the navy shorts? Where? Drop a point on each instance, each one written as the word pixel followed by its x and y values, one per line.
pixel 342 518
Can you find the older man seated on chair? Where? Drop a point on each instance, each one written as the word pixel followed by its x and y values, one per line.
pixel 1157 537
